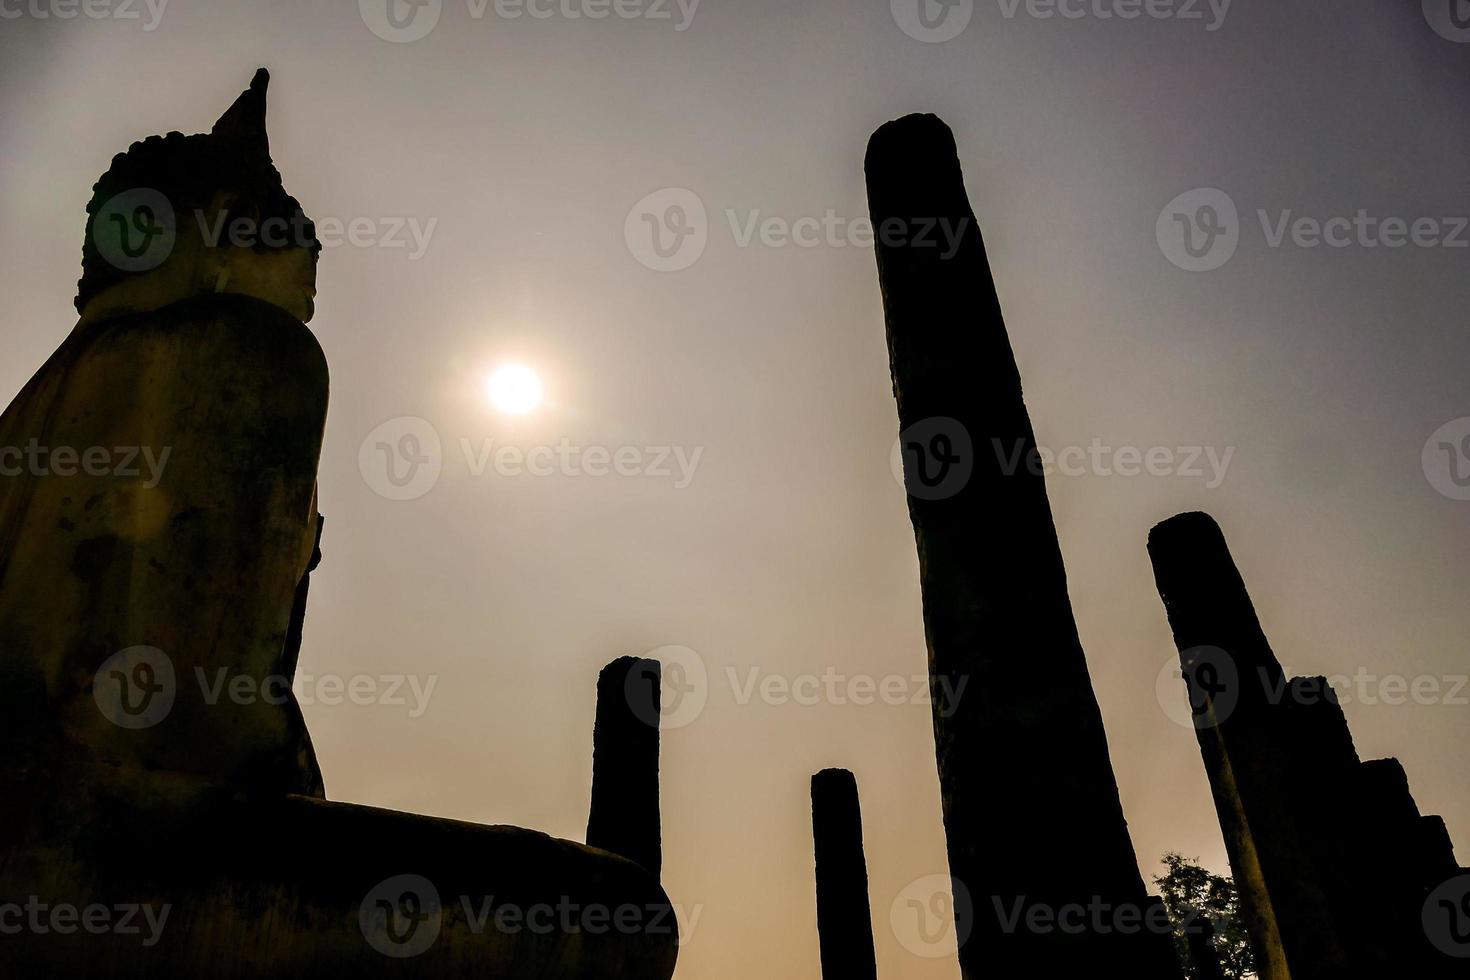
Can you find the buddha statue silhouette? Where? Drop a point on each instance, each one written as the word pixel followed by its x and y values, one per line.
pixel 158 520
pixel 191 357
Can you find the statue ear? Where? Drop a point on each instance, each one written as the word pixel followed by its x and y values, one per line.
pixel 225 209
pixel 245 120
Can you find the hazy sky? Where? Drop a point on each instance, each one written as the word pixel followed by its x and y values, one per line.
pixel 518 147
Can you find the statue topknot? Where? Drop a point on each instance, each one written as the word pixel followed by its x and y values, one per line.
pixel 233 157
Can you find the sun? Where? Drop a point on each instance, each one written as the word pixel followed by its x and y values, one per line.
pixel 513 389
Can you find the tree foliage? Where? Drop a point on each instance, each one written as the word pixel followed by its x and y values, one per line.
pixel 1191 893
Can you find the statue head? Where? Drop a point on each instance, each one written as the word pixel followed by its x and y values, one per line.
pixel 182 216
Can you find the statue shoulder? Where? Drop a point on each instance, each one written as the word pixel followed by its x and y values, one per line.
pixel 234 332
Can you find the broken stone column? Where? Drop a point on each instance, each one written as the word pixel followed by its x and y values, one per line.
pixel 844 920
pixel 624 817
pixel 1430 840
pixel 1031 807
pixel 1231 674
pixel 1330 855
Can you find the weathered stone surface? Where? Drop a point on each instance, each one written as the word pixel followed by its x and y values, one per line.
pixel 202 567
pixel 292 887
pixel 1031 807
pixel 844 919
pixel 624 817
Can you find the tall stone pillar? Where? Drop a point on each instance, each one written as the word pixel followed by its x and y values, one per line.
pixel 1031 807
pixel 1332 859
pixel 1262 739
pixel 844 919
pixel 624 817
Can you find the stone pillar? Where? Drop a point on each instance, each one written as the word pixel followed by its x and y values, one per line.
pixel 1031 807
pixel 844 920
pixel 624 817
pixel 1435 852
pixel 1330 854
pixel 1237 687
